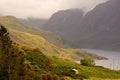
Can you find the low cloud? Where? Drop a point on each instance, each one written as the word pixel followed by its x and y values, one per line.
pixel 43 8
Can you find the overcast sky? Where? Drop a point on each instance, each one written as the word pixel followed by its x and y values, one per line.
pixel 42 8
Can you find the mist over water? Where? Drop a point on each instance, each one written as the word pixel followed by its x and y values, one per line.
pixel 113 61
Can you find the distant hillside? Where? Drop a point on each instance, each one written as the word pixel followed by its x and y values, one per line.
pixel 65 23
pixel 47 48
pixel 27 36
pixel 101 27
pixel 33 22
pixel 12 22
pixel 98 29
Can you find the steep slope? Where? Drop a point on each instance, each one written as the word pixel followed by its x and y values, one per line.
pixel 12 22
pixel 65 23
pixel 36 41
pixel 47 48
pixel 99 28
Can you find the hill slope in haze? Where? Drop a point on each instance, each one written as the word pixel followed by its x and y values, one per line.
pixel 33 22
pixel 12 22
pixel 98 29
pixel 65 23
pixel 25 36
pixel 102 23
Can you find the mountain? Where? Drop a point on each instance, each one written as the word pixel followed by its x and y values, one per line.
pixel 101 26
pixel 65 23
pixel 98 29
pixel 31 37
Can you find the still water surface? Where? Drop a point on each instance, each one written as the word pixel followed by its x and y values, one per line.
pixel 113 61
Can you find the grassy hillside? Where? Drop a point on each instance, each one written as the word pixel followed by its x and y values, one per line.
pixel 32 37
pixel 54 65
pixel 12 23
pixel 46 47
pixel 89 72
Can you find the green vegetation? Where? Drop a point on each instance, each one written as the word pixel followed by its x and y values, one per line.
pixel 87 61
pixel 47 65
pixel 43 61
pixel 12 66
pixel 63 67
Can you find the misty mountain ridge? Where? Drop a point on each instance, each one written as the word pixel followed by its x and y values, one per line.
pixel 57 20
pixel 64 22
pixel 98 29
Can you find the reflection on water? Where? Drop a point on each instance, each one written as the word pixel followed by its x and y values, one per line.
pixel 113 61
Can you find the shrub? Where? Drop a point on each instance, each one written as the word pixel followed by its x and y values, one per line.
pixel 87 61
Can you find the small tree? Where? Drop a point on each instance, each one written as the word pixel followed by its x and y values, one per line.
pixel 12 59
pixel 87 61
